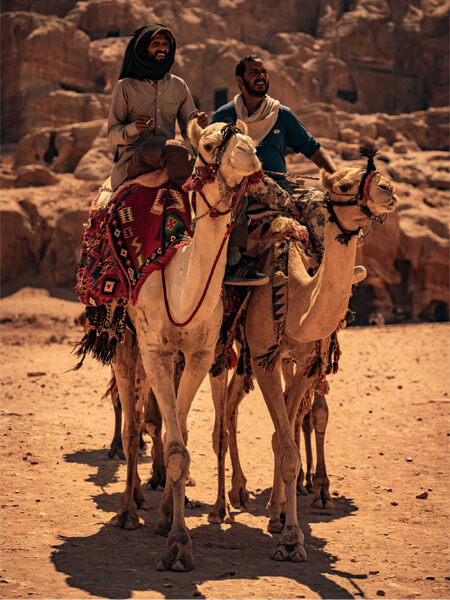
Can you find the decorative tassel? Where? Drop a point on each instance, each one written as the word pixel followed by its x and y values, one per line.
pixel 232 359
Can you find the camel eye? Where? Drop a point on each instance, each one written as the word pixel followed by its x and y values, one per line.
pixel 383 187
pixel 207 147
pixel 345 187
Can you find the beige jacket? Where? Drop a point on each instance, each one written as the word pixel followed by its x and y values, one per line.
pixel 166 101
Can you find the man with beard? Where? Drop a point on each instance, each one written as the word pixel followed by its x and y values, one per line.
pixel 147 101
pixel 273 127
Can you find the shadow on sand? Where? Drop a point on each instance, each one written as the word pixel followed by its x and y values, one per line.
pixel 114 563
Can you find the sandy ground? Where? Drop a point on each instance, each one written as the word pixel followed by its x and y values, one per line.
pixel 387 443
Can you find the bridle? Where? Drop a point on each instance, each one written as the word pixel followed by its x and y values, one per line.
pixel 208 172
pixel 202 175
pixel 360 200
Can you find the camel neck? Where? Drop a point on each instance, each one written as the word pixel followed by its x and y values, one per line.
pixel 320 302
pixel 201 265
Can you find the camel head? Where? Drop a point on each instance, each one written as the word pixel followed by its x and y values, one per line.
pixel 359 195
pixel 228 147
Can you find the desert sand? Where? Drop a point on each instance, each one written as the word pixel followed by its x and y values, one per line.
pixel 387 443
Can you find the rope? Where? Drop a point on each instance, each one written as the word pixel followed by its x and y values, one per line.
pixel 200 302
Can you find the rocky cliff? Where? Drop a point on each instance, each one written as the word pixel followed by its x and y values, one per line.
pixel 350 69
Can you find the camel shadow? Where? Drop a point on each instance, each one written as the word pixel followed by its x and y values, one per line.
pixel 114 563
pixel 107 469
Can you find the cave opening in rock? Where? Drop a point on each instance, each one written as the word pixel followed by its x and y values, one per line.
pixel 348 96
pixel 51 151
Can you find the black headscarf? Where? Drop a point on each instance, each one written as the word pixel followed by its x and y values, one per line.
pixel 136 62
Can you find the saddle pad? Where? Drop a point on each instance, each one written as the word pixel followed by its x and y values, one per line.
pixel 122 245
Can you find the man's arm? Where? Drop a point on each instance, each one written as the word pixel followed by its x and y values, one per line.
pixel 323 160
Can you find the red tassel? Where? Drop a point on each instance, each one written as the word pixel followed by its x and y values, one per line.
pixel 232 359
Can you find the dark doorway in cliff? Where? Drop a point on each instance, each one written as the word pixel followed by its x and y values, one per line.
pixel 51 151
pixel 348 96
pixel 220 98
pixel 435 312
pixel 362 304
pixel 114 33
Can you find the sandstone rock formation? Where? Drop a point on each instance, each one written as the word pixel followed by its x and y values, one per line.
pixel 351 69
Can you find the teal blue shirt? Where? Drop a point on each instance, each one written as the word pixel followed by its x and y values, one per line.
pixel 288 131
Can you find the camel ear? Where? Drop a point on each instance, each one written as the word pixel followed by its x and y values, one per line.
pixel 326 179
pixel 194 132
pixel 242 126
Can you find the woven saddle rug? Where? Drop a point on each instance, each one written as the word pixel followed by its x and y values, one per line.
pixel 129 236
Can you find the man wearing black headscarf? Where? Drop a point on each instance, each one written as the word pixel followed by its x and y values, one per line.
pixel 147 101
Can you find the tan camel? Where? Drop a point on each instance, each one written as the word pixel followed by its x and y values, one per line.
pixel 315 307
pixel 180 310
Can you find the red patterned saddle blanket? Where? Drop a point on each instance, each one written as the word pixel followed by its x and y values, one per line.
pixel 128 238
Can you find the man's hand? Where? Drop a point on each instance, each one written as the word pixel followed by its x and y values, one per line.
pixel 202 118
pixel 144 123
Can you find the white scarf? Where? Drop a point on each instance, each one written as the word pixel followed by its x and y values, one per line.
pixel 260 122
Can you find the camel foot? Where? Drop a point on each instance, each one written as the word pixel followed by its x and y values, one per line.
pixel 126 520
pixel 322 499
pixel 178 553
pixel 301 489
pixel 275 526
pixel 220 514
pixel 239 496
pixel 157 478
pixel 114 451
pixel 290 547
pixel 163 527
pixel 294 553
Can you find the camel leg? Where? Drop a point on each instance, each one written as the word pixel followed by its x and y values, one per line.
pixel 174 409
pixel 321 483
pixel 287 459
pixel 287 368
pixel 130 379
pixel 238 495
pixel 306 427
pixel 153 423
pixel 220 511
pixel 116 448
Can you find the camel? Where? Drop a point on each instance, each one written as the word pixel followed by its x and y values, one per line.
pixel 315 306
pixel 179 309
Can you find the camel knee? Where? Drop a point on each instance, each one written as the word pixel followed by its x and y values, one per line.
pixel 289 463
pixel 320 419
pixel 177 462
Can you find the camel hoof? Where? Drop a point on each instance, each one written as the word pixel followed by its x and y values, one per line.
pixel 178 554
pixel 116 453
pixel 162 528
pixel 125 520
pixel 239 498
pixel 294 553
pixel 220 515
pixel 156 479
pixel 322 505
pixel 275 526
pixel 301 490
pixel 214 517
